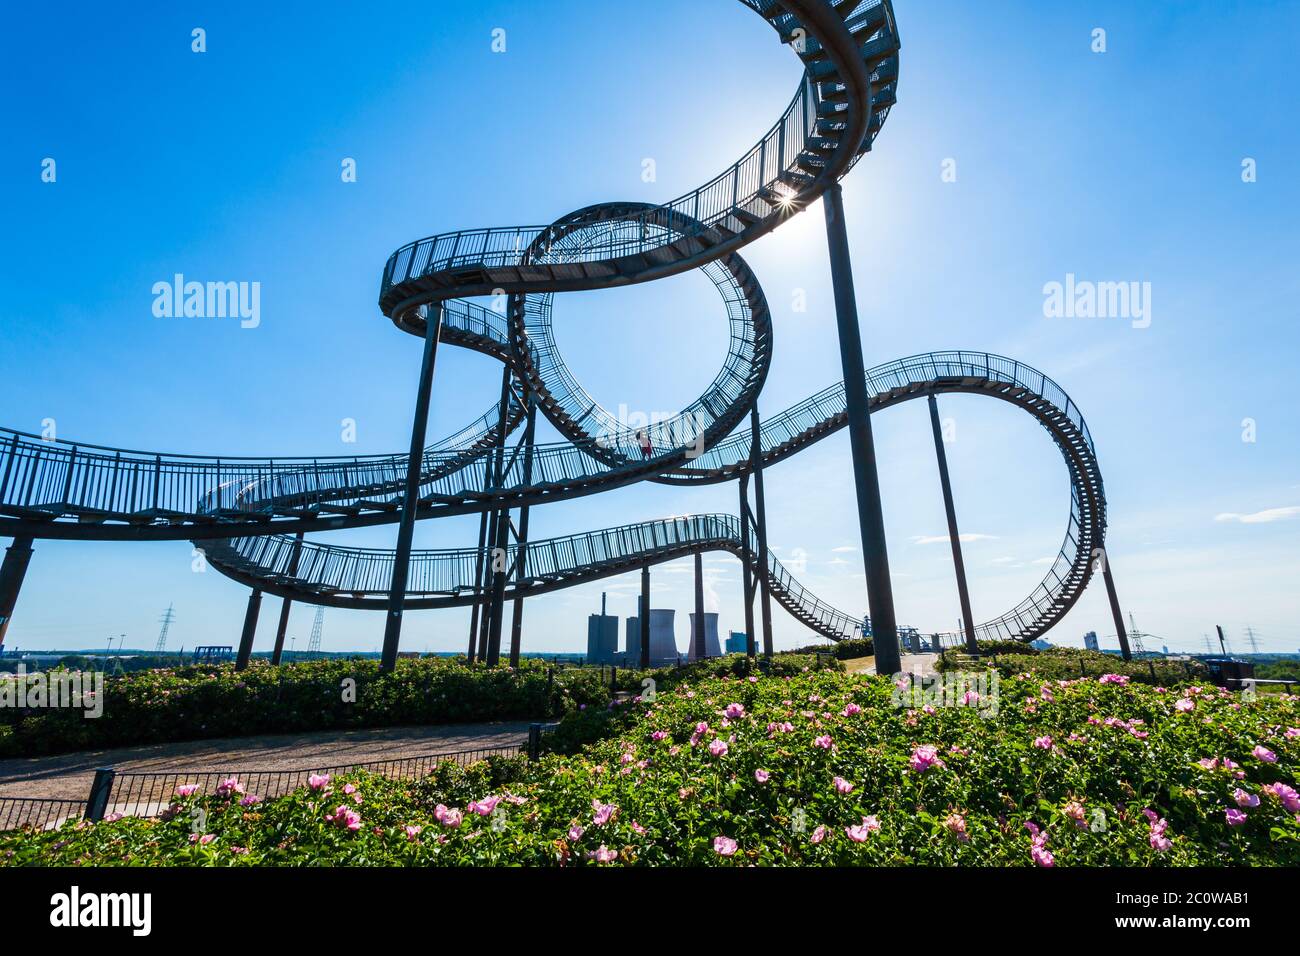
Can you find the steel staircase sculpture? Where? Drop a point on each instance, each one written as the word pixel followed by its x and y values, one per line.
pixel 247 512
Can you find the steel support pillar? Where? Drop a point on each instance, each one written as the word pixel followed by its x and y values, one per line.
pixel 746 556
pixel 521 555
pixel 500 538
pixel 701 646
pixel 959 565
pixel 485 598
pixel 760 522
pixel 644 617
pixel 411 500
pixel 1120 630
pixel 283 627
pixel 871 518
pixel 478 587
pixel 17 556
pixel 250 629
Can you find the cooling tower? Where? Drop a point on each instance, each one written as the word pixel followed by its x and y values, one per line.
pixel 663 643
pixel 712 648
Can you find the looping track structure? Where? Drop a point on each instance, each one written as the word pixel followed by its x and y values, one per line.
pixel 250 514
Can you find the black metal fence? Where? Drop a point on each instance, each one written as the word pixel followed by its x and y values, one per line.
pixel 39 812
pixel 131 793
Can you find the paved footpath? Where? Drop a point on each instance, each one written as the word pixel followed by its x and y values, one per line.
pixel 919 664
pixel 68 775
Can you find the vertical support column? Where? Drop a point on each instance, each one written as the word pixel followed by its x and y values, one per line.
pixel 100 790
pixel 498 598
pixel 250 629
pixel 17 556
pixel 283 627
pixel 871 518
pixel 411 501
pixel 746 556
pixel 1124 649
pixel 644 617
pixel 500 538
pixel 760 521
pixel 534 742
pixel 959 565
pixel 517 617
pixel 478 587
pixel 701 646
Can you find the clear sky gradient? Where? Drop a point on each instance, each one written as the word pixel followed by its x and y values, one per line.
pixel 1117 166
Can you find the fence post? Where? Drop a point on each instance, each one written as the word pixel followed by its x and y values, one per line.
pixel 534 742
pixel 100 789
pixel 613 679
pixel 550 683
pixel 1152 667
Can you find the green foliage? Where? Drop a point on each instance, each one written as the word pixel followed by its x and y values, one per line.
pixel 1092 773
pixel 1066 663
pixel 1279 670
pixel 842 650
pixel 197 702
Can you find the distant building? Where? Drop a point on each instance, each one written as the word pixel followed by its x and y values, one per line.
pixel 1164 648
pixel 632 640
pixel 737 642
pixel 663 639
pixel 909 639
pixel 712 647
pixel 602 636
pixel 1090 641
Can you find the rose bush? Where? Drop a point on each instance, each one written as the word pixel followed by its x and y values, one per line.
pixel 806 769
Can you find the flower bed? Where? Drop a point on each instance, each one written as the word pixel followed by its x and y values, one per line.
pixel 811 769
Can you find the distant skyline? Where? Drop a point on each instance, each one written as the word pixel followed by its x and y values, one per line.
pixel 1017 160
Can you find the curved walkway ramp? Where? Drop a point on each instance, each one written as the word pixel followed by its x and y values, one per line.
pixel 249 513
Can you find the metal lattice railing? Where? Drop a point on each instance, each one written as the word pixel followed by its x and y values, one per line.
pixel 39 812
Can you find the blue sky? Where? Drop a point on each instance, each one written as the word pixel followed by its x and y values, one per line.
pixel 1118 166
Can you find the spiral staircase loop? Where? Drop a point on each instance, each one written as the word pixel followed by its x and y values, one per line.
pixel 247 513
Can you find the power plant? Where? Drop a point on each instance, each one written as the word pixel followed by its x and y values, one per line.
pixel 602 636
pixel 712 648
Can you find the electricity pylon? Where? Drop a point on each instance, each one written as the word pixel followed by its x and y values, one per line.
pixel 1254 641
pixel 166 621
pixel 313 646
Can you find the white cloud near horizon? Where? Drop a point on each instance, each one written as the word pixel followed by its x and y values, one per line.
pixel 964 538
pixel 1261 517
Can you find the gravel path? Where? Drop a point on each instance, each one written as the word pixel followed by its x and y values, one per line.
pixel 69 775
